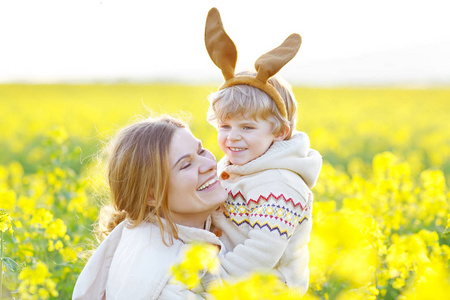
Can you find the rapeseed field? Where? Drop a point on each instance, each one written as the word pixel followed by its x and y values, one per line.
pixel 381 213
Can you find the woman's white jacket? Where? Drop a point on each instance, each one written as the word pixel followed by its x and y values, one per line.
pixel 135 263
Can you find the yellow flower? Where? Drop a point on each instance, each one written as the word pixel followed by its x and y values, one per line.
pixel 5 220
pixel 51 287
pixel 59 245
pixel 41 218
pixel 434 281
pixel 68 254
pixel 51 246
pixel 433 180
pixel 54 181
pixel 56 229
pixel 58 135
pixel 7 199
pixel 60 172
pixel 258 286
pixel 383 163
pixel 26 204
pixel 17 224
pixel 398 283
pixel 41 272
pixel 78 204
pixel 197 258
pixel 26 249
pixel 33 289
pixel 43 294
pixel 35 276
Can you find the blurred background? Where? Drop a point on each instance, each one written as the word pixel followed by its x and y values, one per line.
pixel 348 42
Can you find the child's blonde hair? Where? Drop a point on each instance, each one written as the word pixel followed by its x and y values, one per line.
pixel 246 100
pixel 138 170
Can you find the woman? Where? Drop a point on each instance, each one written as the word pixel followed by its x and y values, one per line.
pixel 164 188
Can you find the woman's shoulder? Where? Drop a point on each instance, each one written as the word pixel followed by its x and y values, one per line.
pixel 143 247
pixel 131 262
pixel 141 262
pixel 147 237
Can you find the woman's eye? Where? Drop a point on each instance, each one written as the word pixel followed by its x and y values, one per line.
pixel 201 151
pixel 185 166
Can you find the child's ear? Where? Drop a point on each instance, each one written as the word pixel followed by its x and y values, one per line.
pixel 282 134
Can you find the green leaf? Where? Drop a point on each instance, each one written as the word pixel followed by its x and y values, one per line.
pixel 10 264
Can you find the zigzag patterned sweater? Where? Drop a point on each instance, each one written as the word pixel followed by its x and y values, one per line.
pixel 266 221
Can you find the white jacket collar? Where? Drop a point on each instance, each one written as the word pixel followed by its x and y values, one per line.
pixel 294 155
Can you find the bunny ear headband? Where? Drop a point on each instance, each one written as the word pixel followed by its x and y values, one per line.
pixel 223 53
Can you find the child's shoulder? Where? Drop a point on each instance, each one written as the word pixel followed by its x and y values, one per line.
pixel 271 185
pixel 277 181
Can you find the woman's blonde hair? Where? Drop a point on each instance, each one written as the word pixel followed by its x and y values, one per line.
pixel 138 170
pixel 242 100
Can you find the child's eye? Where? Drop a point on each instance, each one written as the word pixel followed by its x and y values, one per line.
pixel 248 127
pixel 224 126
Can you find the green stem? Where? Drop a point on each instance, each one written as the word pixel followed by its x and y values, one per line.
pixel 1 270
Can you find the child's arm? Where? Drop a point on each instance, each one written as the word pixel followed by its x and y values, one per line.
pixel 273 221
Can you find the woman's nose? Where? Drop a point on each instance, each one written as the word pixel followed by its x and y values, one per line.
pixel 209 155
pixel 207 164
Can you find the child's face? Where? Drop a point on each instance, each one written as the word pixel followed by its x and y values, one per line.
pixel 243 139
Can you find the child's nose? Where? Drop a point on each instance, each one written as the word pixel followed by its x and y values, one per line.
pixel 234 135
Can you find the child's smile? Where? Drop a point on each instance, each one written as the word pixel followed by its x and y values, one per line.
pixel 237 149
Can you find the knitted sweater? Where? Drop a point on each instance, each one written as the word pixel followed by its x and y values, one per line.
pixel 135 263
pixel 266 222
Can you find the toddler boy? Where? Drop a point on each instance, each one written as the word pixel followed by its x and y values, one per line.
pixel 268 168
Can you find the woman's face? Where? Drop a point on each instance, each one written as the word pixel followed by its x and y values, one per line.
pixel 194 189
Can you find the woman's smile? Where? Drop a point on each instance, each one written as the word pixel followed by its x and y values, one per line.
pixel 208 184
pixel 194 189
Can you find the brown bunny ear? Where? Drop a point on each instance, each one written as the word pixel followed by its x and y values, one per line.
pixel 270 63
pixel 220 47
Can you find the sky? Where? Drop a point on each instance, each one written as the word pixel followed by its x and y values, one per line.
pixel 344 43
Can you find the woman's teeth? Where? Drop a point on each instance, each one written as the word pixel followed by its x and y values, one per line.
pixel 207 184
